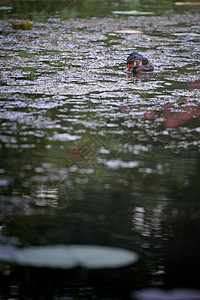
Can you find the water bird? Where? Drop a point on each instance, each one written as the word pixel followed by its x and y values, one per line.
pixel 137 63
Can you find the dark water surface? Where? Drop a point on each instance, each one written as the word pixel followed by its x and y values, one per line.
pixel 90 155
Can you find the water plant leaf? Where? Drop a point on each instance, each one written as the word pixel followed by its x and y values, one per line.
pixel 158 294
pixel 66 257
pixel 186 33
pixel 65 137
pixel 132 12
pixel 186 3
pixel 129 31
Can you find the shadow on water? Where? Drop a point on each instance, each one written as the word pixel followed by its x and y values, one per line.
pixel 93 156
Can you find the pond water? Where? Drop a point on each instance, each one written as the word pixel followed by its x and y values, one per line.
pixel 91 155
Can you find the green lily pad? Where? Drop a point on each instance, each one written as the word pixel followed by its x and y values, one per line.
pixel 67 257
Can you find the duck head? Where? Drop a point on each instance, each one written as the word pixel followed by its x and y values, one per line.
pixel 138 63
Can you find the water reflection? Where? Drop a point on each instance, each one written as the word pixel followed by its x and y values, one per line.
pixel 184 114
pixel 173 115
pixel 148 223
pixel 90 156
pixel 143 77
pixel 46 196
pixel 60 195
pixel 3 1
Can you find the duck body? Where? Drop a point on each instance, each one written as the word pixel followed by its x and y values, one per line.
pixel 137 63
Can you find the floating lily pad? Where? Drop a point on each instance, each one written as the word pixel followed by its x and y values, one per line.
pixel 5 7
pixel 132 12
pixel 66 257
pixel 23 26
pixel 65 137
pixel 175 294
pixel 186 3
pixel 129 31
pixel 186 33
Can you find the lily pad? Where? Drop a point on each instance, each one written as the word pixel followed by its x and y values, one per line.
pixel 186 33
pixel 67 257
pixel 186 3
pixel 129 31
pixel 65 137
pixel 132 12
pixel 5 7
pixel 158 294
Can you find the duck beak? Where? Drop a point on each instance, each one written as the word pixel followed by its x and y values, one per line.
pixel 127 68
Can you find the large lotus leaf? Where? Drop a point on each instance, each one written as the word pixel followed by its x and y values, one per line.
pixel 65 257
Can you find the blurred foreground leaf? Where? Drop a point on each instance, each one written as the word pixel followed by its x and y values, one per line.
pixel 71 256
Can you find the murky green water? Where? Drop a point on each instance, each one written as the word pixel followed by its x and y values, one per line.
pixel 90 155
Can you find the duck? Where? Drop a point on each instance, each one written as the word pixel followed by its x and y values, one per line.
pixel 137 63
